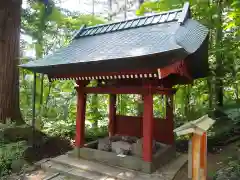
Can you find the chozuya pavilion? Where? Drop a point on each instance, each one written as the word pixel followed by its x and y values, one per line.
pixel 145 56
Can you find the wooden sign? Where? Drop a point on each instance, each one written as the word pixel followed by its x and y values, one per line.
pixel 197 149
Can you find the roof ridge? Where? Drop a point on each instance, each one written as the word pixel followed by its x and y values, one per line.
pixel 185 13
pixel 179 15
pixel 136 18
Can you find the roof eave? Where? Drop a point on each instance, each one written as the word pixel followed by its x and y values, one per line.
pixel 130 63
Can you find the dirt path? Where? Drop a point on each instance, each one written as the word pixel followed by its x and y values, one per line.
pixel 215 161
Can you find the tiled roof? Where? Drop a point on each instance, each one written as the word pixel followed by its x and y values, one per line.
pixel 109 46
pixel 160 18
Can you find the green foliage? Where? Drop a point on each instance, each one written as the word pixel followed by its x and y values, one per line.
pixel 54 101
pixel 96 133
pixel 57 113
pixel 233 16
pixel 223 54
pixel 231 171
pixel 8 154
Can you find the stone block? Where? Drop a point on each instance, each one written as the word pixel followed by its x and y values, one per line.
pixel 104 144
pixel 74 152
pixel 147 167
pixel 115 138
pixel 137 148
pixel 87 153
pixel 121 147
pixel 129 139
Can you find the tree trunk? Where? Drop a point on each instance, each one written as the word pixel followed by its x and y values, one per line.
pixel 219 58
pixel 94 111
pixel 210 97
pixel 210 46
pixel 110 10
pixel 140 105
pixel 140 2
pixel 187 108
pixel 10 13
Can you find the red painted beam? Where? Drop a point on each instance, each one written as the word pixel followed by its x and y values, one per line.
pixel 128 90
pixel 179 68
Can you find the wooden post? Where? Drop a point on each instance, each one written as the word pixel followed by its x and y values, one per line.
pixel 80 121
pixel 199 157
pixel 169 116
pixel 34 109
pixel 148 126
pixel 203 158
pixel 196 144
pixel 112 114
pixel 190 159
pixel 198 161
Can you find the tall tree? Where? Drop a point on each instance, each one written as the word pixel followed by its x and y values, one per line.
pixel 10 13
pixel 140 2
pixel 219 54
pixel 10 20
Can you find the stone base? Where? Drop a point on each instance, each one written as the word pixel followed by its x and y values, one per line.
pixel 160 158
pixel 75 168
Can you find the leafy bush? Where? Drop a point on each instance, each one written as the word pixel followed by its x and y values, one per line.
pixel 95 133
pixel 68 129
pixel 60 128
pixel 230 172
pixel 8 154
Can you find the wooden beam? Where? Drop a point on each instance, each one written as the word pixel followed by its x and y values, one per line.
pixel 127 90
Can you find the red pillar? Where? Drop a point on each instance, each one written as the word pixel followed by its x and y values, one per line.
pixel 112 114
pixel 147 126
pixel 80 121
pixel 170 116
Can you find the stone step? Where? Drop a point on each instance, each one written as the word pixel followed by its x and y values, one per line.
pixel 60 177
pixel 56 176
pixel 68 172
pixel 81 169
pixel 95 167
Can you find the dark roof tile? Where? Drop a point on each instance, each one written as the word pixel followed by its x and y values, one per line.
pixel 148 35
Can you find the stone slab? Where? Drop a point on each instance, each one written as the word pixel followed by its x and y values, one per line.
pixel 64 172
pixel 112 159
pixel 91 166
pixel 163 155
pixel 59 177
pixel 170 170
pixel 86 175
pixel 87 168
